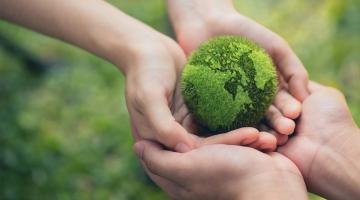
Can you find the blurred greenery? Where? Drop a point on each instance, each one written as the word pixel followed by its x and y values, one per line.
pixel 65 134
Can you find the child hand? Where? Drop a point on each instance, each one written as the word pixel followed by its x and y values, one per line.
pixel 157 108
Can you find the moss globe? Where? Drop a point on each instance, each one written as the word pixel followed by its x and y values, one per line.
pixel 228 82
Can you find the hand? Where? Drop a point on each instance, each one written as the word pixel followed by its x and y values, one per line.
pixel 151 81
pixel 196 21
pixel 151 62
pixel 325 147
pixel 156 105
pixel 222 172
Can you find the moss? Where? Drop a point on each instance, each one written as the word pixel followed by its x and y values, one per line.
pixel 228 83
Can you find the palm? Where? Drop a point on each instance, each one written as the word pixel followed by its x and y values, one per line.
pixel 150 91
pixel 162 81
pixel 158 111
pixel 191 37
pixel 182 114
pixel 242 158
pixel 321 124
pixel 197 174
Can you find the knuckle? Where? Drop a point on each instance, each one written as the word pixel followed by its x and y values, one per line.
pixel 299 74
pixel 151 167
pixel 150 164
pixel 165 130
pixel 143 94
pixel 303 74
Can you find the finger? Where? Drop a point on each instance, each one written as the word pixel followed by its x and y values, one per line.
pixel 266 142
pixel 278 122
pixel 166 129
pixel 241 136
pixel 287 104
pixel 166 164
pixel 135 132
pixel 280 138
pixel 291 69
pixel 282 83
pixel 284 58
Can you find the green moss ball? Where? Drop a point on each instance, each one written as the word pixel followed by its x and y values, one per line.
pixel 228 82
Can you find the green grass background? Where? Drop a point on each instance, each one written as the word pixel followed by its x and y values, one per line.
pixel 65 134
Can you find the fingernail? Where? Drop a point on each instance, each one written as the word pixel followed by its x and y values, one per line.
pixel 139 149
pixel 182 148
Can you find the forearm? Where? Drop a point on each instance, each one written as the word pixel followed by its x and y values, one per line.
pixel 93 25
pixel 282 185
pixel 336 172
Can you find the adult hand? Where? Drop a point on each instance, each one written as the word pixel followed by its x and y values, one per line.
pixel 151 61
pixel 221 172
pixel 156 105
pixel 196 21
pixel 326 145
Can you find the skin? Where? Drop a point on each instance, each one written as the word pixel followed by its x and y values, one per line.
pixel 150 61
pixel 326 145
pixel 195 21
pixel 157 110
pixel 324 151
pixel 222 172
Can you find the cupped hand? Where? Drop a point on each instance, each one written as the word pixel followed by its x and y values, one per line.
pixel 196 21
pixel 325 125
pixel 221 172
pixel 157 108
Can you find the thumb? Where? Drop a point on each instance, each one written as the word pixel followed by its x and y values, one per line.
pixel 159 161
pixel 166 129
pixel 291 68
pixel 242 136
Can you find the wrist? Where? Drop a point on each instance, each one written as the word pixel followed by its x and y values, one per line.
pixel 123 46
pixel 274 185
pixel 335 172
pixel 110 34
